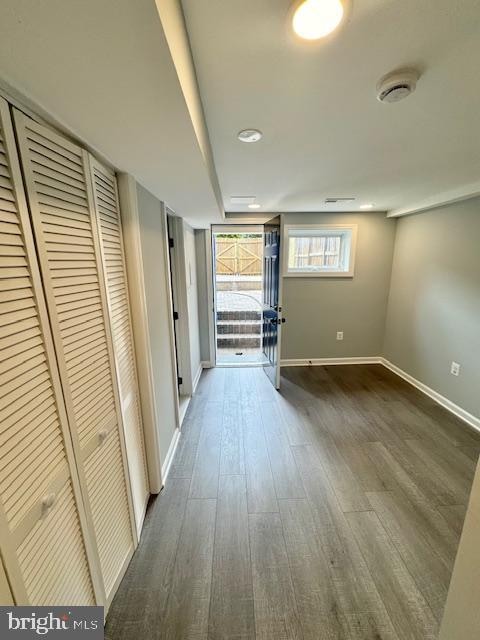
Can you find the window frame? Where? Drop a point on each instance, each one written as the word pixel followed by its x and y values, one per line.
pixel 352 229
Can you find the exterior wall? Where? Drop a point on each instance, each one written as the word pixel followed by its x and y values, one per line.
pixel 316 308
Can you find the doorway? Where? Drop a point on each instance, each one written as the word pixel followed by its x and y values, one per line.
pixel 238 295
pixel 178 294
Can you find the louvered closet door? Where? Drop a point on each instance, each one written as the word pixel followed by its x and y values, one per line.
pixel 110 231
pixel 42 530
pixel 62 210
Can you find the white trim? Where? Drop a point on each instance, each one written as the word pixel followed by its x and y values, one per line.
pixel 464 415
pixel 170 454
pixel 210 300
pixel 196 379
pixel 142 516
pixel 351 249
pixel 233 228
pixel 322 362
pixel 183 403
pixel 207 364
pixel 440 200
pixel 179 277
pixel 171 325
pixel 127 191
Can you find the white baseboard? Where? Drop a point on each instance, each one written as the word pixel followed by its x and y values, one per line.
pixel 170 454
pixel 321 362
pixel 196 379
pixel 467 417
pixel 207 364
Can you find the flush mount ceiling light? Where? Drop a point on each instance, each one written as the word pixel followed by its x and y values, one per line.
pixel 370 205
pixel 254 205
pixel 250 135
pixel 315 19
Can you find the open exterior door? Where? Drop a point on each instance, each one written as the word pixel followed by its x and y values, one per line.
pixel 272 309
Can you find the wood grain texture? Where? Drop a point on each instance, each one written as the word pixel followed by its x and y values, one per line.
pixel 405 604
pixel 142 597
pixel 207 462
pixel 329 511
pixel 231 607
pixel 285 473
pixel 276 613
pixel 188 604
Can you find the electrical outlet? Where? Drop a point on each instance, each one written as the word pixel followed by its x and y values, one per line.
pixel 455 369
pixel 339 335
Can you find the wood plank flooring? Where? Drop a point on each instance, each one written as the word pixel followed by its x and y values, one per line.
pixel 329 511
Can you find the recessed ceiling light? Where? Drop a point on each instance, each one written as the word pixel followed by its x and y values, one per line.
pixel 254 206
pixel 315 19
pixel 250 135
pixel 370 205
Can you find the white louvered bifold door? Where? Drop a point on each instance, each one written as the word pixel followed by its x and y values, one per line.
pixel 61 202
pixel 111 242
pixel 43 528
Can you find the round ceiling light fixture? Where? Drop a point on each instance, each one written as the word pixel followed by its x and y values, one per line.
pixel 250 135
pixel 315 19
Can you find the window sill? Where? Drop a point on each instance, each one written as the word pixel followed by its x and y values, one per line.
pixel 318 274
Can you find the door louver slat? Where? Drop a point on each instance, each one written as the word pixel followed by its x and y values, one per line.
pixel 109 228
pixel 70 261
pixel 36 456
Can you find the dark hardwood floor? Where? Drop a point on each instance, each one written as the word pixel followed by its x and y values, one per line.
pixel 329 511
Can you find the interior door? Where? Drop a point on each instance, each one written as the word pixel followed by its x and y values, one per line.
pixel 272 310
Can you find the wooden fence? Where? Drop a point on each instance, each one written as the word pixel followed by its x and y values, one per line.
pixel 239 256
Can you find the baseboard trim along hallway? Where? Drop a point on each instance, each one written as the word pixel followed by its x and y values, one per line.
pixel 170 455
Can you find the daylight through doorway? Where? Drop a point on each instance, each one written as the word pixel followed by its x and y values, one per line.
pixel 238 260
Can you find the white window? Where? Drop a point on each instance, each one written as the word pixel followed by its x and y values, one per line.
pixel 320 250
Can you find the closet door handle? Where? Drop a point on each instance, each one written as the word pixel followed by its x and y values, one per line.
pixel 47 503
pixel 102 436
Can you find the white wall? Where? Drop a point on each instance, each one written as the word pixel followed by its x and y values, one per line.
pixel 434 303
pixel 152 220
pixel 316 308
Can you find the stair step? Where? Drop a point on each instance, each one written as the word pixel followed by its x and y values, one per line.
pixel 239 326
pixel 238 341
pixel 239 315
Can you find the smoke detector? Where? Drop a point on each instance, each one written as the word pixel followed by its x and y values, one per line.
pixel 250 135
pixel 397 85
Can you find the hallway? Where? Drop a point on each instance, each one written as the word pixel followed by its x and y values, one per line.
pixel 330 510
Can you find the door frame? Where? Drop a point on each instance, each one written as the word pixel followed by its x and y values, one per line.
pixel 179 293
pixel 251 227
